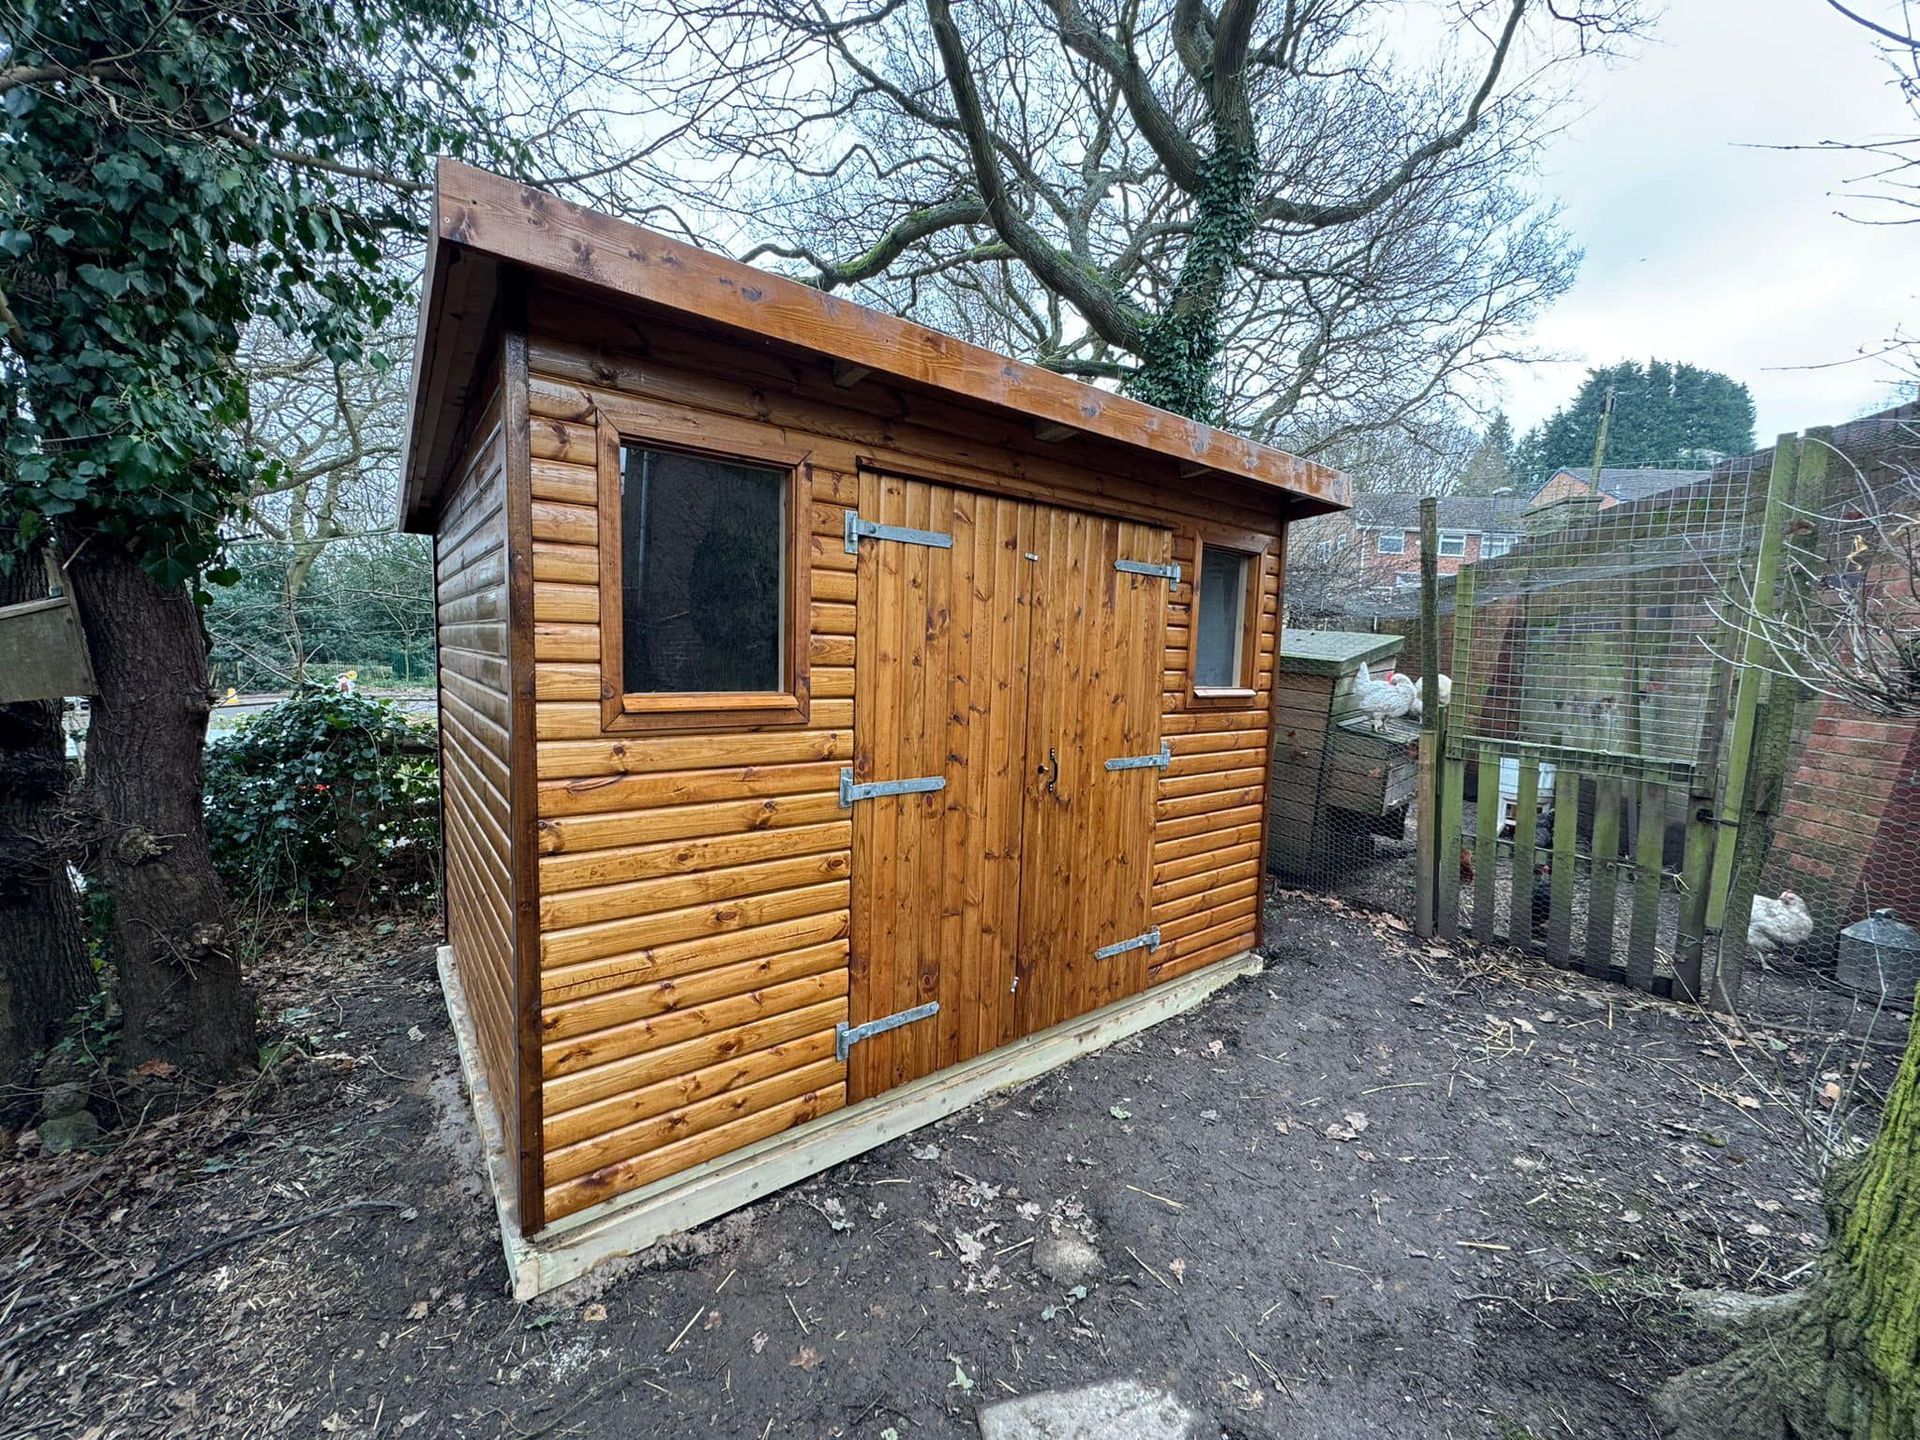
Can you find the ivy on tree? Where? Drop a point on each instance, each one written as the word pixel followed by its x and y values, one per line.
pixel 168 177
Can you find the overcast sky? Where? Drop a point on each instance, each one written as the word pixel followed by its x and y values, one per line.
pixel 1701 247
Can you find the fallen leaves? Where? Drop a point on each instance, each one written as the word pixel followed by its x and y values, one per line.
pixel 806 1358
pixel 1350 1126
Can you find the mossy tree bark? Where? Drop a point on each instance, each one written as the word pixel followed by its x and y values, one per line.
pixel 1844 1361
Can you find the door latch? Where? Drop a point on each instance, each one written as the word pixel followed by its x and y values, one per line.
pixel 1052 770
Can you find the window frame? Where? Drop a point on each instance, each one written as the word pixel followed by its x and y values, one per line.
pixel 1255 550
pixel 1446 537
pixel 1399 538
pixel 693 710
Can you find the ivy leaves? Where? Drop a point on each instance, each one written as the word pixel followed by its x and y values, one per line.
pixel 233 163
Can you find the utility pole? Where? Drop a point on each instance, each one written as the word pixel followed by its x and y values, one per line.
pixel 1600 440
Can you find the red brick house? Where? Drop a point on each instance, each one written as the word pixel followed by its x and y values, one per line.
pixel 1386 527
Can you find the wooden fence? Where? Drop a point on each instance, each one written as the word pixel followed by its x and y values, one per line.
pixel 1623 785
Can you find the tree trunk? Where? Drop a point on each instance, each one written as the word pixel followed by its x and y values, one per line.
pixel 181 993
pixel 44 971
pixel 1844 1362
pixel 1180 353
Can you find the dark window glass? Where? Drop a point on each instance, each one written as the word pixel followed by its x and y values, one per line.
pixel 702 571
pixel 1222 618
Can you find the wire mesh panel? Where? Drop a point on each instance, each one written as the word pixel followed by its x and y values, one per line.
pixel 1826 884
pixel 1678 737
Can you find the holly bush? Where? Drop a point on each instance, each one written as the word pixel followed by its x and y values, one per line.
pixel 326 800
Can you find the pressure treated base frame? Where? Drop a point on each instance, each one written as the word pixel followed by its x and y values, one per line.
pixel 629 1223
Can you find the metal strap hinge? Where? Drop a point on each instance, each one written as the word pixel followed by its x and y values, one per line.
pixel 873 790
pixel 1143 762
pixel 846 1036
pixel 856 527
pixel 1148 941
pixel 1169 573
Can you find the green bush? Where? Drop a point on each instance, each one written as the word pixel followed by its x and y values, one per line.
pixel 326 800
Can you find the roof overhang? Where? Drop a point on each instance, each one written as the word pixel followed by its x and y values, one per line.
pixel 483 222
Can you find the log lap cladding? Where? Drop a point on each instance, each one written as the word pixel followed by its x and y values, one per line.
pixel 829 707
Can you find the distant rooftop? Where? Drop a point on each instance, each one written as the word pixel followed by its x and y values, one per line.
pixel 1626 482
pixel 1395 510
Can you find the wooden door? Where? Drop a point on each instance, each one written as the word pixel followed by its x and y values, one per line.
pixel 1094 672
pixel 1010 664
pixel 940 690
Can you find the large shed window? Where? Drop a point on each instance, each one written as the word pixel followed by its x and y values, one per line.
pixel 704 594
pixel 702 569
pixel 1220 621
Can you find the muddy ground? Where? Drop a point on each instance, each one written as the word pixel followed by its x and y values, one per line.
pixel 1380 1190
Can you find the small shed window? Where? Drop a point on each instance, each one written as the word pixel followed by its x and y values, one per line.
pixel 1220 649
pixel 702 561
pixel 704 600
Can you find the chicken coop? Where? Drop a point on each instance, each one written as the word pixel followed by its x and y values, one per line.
pixel 839 721
pixel 1340 773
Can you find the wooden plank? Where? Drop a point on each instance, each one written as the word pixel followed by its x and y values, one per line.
pixel 683 957
pixel 1486 844
pixel 1526 820
pixel 1603 876
pixel 1566 833
pixel 523 812
pixel 1643 936
pixel 1695 867
pixel 1446 908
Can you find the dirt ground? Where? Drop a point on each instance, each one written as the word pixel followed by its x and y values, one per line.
pixel 1380 1190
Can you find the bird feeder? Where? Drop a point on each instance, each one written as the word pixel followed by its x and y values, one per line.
pixel 1880 955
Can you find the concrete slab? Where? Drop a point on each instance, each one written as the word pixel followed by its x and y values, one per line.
pixel 1109 1410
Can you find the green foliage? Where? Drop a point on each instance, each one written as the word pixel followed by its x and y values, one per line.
pixel 1664 414
pixel 367 606
pixel 188 169
pixel 326 799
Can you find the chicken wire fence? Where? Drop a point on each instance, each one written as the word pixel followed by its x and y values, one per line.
pixel 1631 774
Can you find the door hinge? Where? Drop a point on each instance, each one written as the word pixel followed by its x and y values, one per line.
pixel 846 1036
pixel 874 789
pixel 1169 573
pixel 873 529
pixel 1148 941
pixel 1143 762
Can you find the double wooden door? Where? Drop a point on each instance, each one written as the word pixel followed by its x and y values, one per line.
pixel 1010 664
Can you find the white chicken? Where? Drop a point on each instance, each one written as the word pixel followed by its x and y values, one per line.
pixel 1445 683
pixel 1777 926
pixel 1385 699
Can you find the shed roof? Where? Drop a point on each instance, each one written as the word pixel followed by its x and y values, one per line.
pixel 482 222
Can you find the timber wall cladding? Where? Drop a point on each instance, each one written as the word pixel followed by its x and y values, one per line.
pixel 470 581
pixel 694 888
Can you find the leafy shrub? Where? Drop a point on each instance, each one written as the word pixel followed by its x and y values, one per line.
pixel 326 799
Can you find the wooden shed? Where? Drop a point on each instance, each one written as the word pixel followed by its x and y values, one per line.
pixel 830 732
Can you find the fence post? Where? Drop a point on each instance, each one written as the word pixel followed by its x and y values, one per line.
pixel 1426 795
pixel 1770 742
pixel 1752 678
